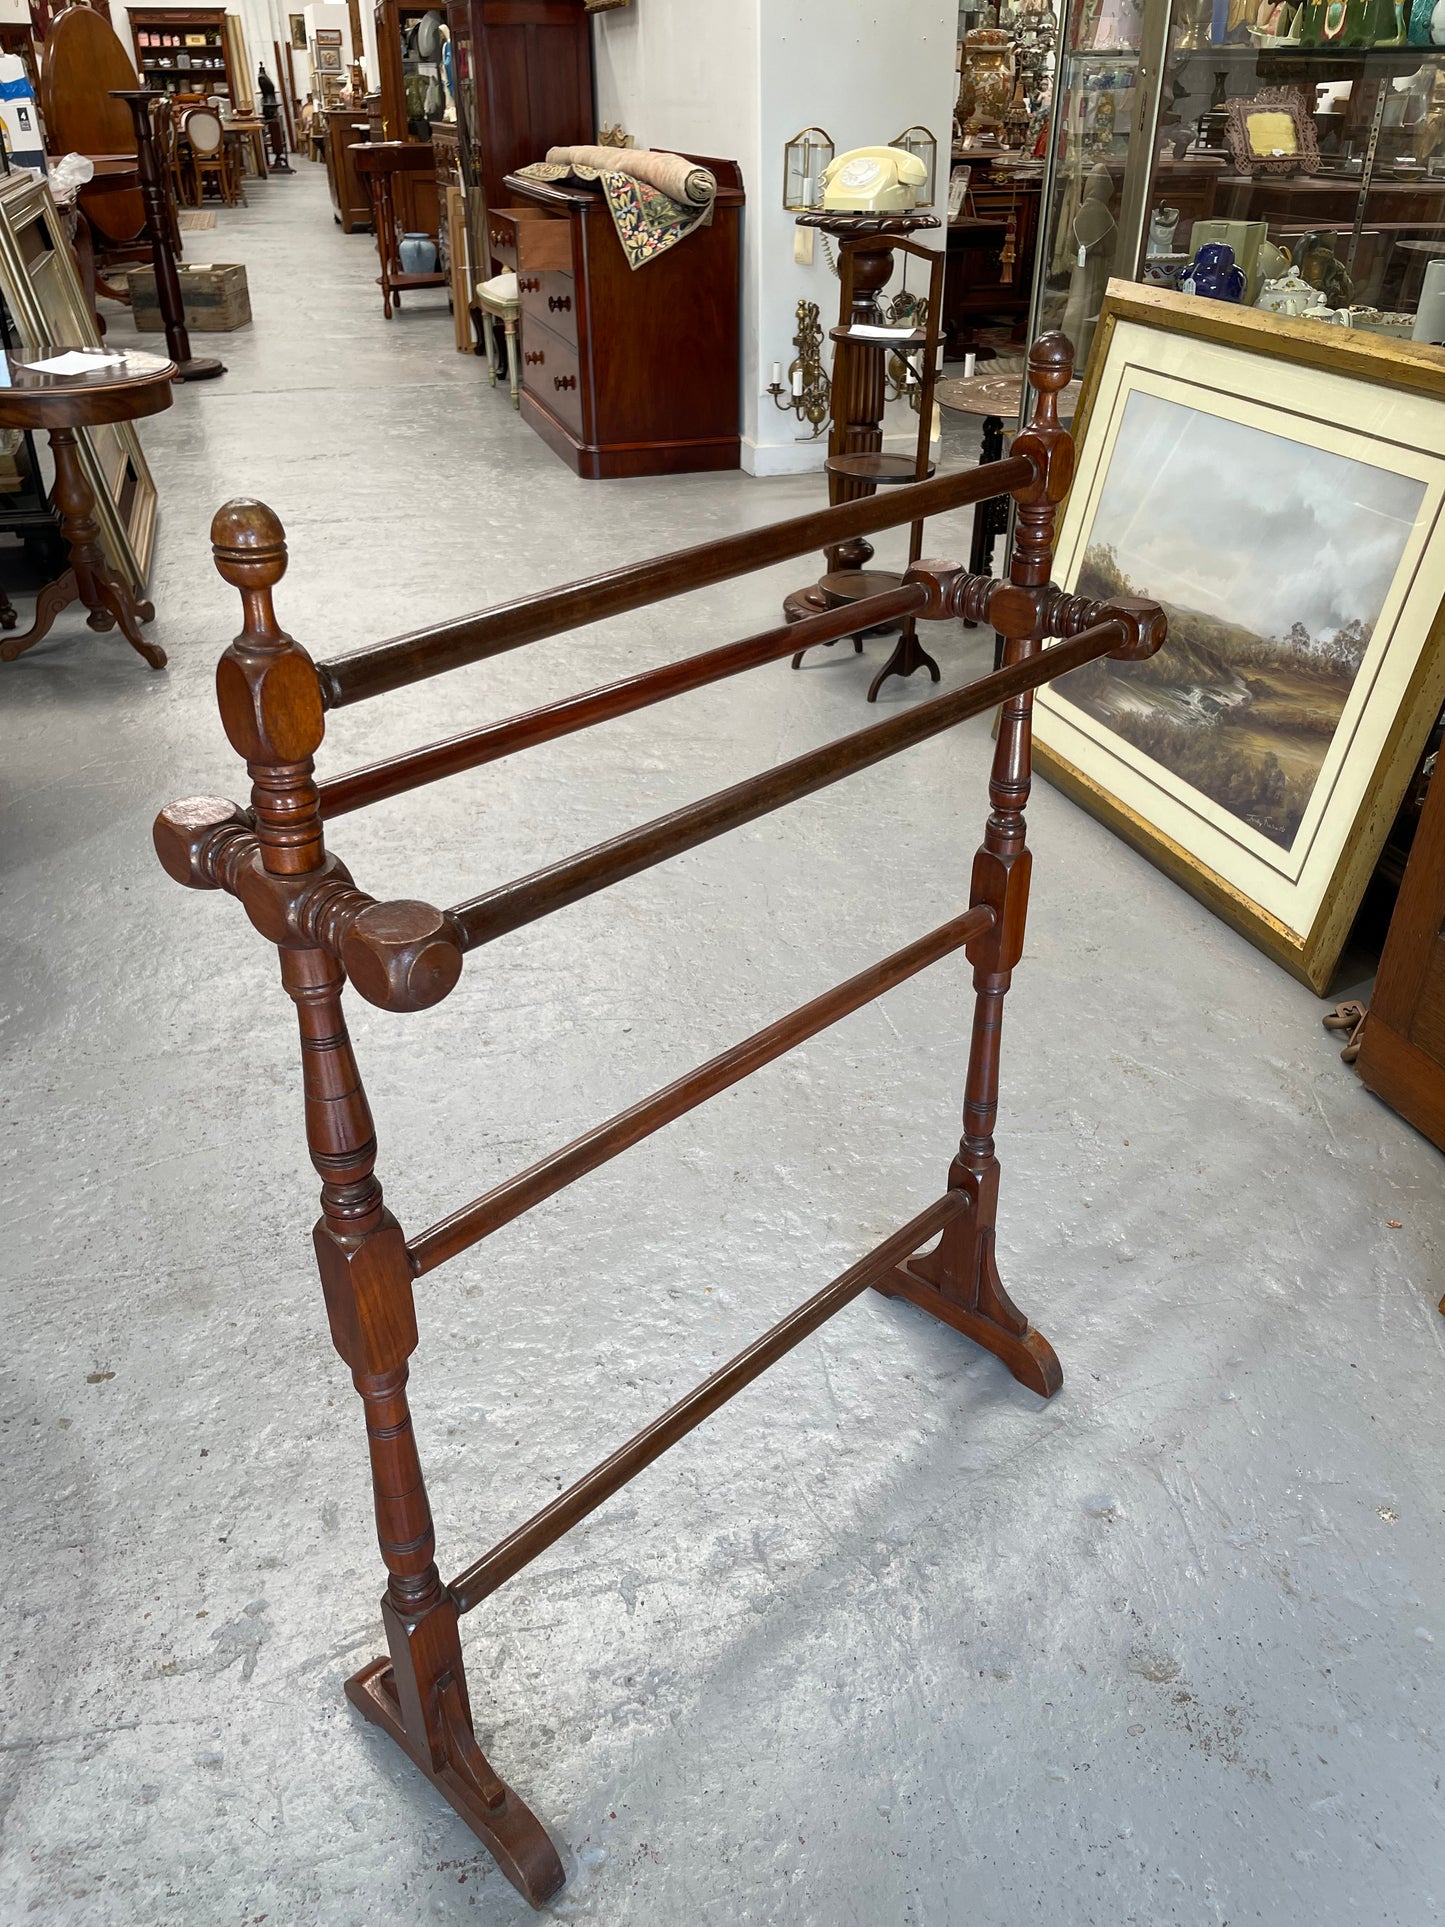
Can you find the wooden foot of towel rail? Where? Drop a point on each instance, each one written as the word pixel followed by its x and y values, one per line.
pixel 406 955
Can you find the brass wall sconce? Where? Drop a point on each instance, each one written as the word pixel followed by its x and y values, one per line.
pixel 921 144
pixel 808 393
pixel 804 158
pixel 903 370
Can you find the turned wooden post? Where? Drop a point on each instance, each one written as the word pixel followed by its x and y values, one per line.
pixel 959 1281
pixel 189 367
pixel 270 702
pixel 271 707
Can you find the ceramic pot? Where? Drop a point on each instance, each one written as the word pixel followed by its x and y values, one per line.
pixel 1213 274
pixel 1162 223
pixel 418 254
pixel 1286 294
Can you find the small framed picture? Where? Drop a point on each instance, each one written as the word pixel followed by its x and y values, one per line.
pixel 298 32
pixel 328 36
pixel 328 60
pixel 1270 133
pixel 1279 486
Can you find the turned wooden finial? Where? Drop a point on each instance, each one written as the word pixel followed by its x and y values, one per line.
pixel 1051 369
pixel 249 546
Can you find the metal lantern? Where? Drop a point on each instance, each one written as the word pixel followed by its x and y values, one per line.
pixel 920 143
pixel 804 158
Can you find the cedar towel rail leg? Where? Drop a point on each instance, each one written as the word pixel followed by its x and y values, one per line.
pixel 406 956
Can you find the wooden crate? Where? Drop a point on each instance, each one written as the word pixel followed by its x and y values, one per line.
pixel 214 294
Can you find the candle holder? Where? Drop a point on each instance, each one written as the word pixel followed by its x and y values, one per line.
pixel 808 393
pixel 903 370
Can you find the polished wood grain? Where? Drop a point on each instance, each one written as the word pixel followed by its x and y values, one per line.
pixel 385 666
pixel 82 62
pixel 630 371
pixel 272 856
pixel 1402 1049
pixel 524 84
pixel 124 390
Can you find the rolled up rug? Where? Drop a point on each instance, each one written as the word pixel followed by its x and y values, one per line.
pixel 655 199
pixel 670 174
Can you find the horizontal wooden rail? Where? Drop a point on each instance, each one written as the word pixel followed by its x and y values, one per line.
pixel 490 632
pixel 489 743
pixel 551 1174
pixel 519 1548
pixel 510 905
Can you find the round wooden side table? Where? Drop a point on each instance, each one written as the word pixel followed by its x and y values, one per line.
pixel 122 390
pixel 997 398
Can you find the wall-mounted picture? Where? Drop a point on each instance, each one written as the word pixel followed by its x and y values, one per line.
pixel 1282 493
pixel 298 32
pixel 328 60
pixel 328 36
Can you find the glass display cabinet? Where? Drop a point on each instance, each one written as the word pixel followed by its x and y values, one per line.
pixel 1308 139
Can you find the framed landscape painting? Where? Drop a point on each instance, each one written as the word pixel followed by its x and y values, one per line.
pixel 1279 486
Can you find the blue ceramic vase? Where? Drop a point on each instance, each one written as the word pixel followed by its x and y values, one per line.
pixel 1213 274
pixel 419 254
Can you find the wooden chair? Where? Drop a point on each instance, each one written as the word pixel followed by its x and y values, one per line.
pixel 499 300
pixel 207 141
pixel 405 956
pixel 168 146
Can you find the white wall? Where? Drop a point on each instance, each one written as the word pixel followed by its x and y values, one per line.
pixel 739 78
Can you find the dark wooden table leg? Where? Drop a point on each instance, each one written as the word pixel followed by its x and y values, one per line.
pixel 990 519
pixel 908 654
pixel 90 578
pixel 189 367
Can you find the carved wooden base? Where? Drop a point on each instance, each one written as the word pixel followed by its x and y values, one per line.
pixel 501 1820
pixel 831 591
pixel 981 1309
pixel 117 606
pixel 908 655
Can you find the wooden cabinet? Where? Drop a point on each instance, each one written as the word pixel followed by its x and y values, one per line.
pixel 182 50
pixel 349 203
pixel 411 92
pixel 974 289
pixel 1402 1050
pixel 626 372
pixel 524 84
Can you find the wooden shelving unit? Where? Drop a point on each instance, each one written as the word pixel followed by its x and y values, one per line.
pixel 182 50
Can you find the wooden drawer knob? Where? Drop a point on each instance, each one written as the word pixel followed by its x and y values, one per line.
pixel 529 284
pixel 534 357
pixel 559 301
pixel 564 381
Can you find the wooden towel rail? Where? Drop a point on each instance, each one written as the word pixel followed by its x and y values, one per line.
pixel 407 955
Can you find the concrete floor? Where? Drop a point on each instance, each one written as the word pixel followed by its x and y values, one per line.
pixel 889 1641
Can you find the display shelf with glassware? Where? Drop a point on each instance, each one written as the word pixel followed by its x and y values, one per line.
pixel 1308 141
pixel 182 50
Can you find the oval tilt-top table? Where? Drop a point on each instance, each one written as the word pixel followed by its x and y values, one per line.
pixel 121 389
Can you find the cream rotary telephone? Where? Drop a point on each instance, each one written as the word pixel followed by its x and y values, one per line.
pixel 873 180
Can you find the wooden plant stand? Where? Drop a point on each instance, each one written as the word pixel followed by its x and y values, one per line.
pixel 856 466
pixel 405 956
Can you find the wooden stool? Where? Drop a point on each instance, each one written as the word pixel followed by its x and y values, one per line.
pixel 498 299
pixel 123 391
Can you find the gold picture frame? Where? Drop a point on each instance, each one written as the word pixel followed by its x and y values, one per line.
pixel 1279 485
pixel 41 286
pixel 297 23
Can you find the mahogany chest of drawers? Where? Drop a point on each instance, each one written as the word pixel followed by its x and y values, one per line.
pixel 626 371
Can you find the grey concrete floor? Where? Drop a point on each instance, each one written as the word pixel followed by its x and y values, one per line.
pixel 888 1641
